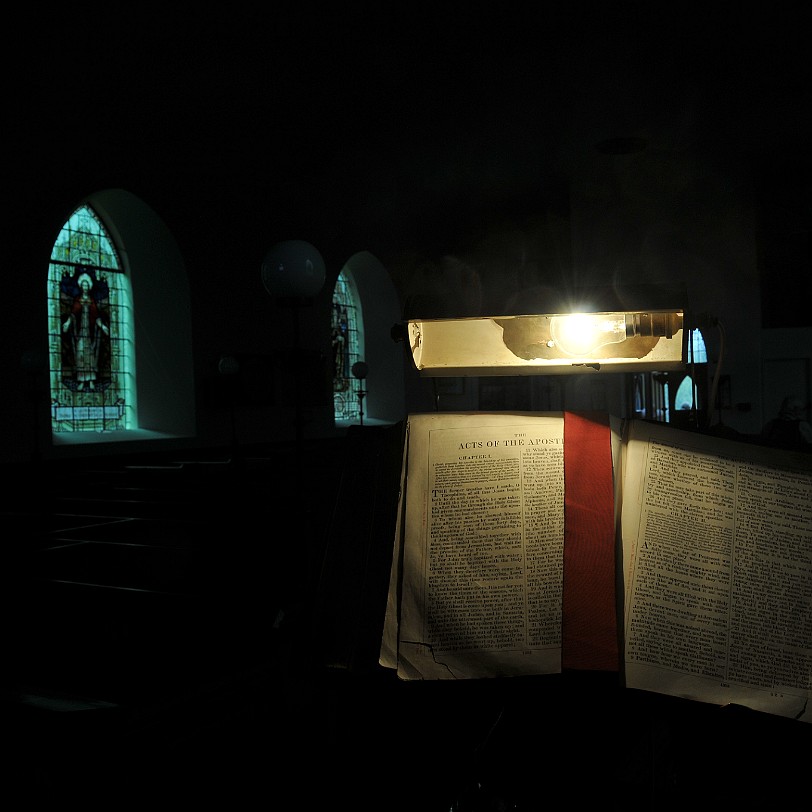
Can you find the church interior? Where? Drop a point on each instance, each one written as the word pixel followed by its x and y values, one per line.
pixel 195 600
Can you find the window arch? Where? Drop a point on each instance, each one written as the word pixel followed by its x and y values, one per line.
pixel 697 354
pixel 674 397
pixel 90 330
pixel 687 396
pixel 347 331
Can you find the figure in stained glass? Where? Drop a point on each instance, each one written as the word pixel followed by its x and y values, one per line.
pixel 85 324
pixel 340 349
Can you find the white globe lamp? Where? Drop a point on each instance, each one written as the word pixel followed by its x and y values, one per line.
pixel 293 269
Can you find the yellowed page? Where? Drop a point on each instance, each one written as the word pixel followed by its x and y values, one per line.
pixel 482 569
pixel 717 550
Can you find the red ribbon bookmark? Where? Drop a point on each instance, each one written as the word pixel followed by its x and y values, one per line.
pixel 589 610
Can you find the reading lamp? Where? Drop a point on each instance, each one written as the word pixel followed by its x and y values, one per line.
pixel 571 340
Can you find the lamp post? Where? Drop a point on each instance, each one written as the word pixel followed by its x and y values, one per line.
pixel 293 273
pixel 360 370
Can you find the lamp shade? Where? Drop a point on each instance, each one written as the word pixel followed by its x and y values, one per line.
pixel 563 343
pixel 583 330
pixel 293 268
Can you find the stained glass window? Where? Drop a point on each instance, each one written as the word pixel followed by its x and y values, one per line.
pixel 348 346
pixel 688 393
pixel 696 348
pixel 687 396
pixel 90 342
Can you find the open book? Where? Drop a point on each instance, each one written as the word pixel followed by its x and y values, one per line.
pixel 535 543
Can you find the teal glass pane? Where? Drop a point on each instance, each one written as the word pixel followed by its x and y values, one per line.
pixel 696 349
pixel 684 399
pixel 89 327
pixel 346 330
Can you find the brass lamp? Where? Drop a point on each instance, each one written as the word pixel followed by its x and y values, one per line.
pixel 561 341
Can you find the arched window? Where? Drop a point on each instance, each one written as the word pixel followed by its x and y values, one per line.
pixel 687 397
pixel 90 329
pixel 652 392
pixel 348 346
pixel 697 354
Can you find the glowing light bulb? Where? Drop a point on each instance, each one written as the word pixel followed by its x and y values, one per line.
pixel 579 334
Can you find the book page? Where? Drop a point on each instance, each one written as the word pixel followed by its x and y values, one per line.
pixel 482 554
pixel 717 556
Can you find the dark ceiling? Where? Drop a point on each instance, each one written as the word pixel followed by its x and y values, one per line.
pixel 375 115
